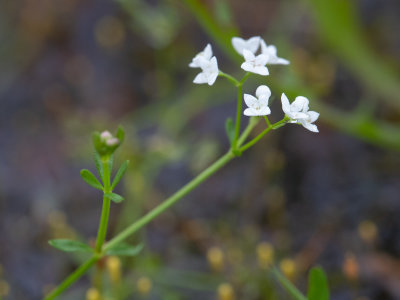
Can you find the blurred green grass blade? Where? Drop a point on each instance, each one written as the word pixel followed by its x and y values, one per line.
pixel 339 26
pixel 288 286
pixel 318 288
pixel 206 20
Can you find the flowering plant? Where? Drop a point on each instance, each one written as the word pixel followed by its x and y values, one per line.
pixel 105 144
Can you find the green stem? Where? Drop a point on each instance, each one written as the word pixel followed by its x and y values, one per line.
pixel 170 201
pixel 258 137
pixel 150 215
pixel 230 78
pixel 105 213
pixel 288 285
pixel 239 111
pixel 72 278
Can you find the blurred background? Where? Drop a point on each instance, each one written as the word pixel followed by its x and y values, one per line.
pixel 70 67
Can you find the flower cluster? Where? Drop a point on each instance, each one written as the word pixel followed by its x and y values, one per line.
pixel 254 62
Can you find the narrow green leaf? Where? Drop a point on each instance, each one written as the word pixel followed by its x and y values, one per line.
pixel 230 130
pixel 90 179
pixel 115 197
pixel 70 245
pixel 120 134
pixel 318 288
pixel 99 165
pixel 124 249
pixel 119 174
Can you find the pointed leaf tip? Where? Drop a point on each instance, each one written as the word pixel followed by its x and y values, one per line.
pixel 318 288
pixel 115 197
pixel 70 245
pixel 124 249
pixel 119 174
pixel 90 179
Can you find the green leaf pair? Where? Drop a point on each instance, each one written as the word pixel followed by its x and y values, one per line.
pixel 121 249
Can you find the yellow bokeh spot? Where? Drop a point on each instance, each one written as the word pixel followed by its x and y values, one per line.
pixel 114 268
pixel 265 255
pixel 225 292
pixel 93 294
pixel 368 231
pixel 288 268
pixel 215 258
pixel 144 285
pixel 350 267
pixel 4 288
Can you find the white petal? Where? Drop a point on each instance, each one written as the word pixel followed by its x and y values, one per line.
pixel 247 67
pixel 253 43
pixel 207 52
pixel 214 64
pixel 281 61
pixel 263 90
pixel 200 78
pixel 261 60
pixel 272 50
pixel 250 112
pixel 250 100
pixel 313 116
pixel 265 111
pixel 310 126
pixel 285 104
pixel 264 47
pixel 260 70
pixel 238 44
pixel 211 78
pixel 299 104
pixel 248 55
pixel 298 115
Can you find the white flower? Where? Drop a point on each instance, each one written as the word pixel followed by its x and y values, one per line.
pixel 271 51
pixel 258 106
pixel 255 64
pixel 251 44
pixel 298 112
pixel 209 71
pixel 206 53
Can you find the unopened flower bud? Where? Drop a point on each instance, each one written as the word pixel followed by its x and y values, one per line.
pixel 112 142
pixel 215 258
pixel 144 285
pixel 225 292
pixel 114 268
pixel 93 294
pixel 106 135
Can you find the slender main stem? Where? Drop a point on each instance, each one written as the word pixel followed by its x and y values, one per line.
pixel 146 218
pixel 105 213
pixel 170 201
pixel 72 278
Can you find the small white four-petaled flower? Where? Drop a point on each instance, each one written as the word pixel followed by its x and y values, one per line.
pixel 206 54
pixel 258 106
pixel 251 44
pixel 298 112
pixel 255 64
pixel 271 52
pixel 209 70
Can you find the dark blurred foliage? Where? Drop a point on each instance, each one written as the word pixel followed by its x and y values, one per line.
pixel 69 67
